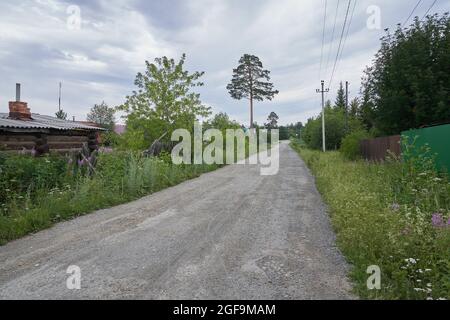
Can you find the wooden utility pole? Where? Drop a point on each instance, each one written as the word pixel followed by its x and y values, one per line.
pixel 323 91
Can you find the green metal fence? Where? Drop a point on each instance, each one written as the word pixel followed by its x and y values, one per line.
pixel 438 138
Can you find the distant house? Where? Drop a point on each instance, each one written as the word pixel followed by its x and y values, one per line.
pixel 21 130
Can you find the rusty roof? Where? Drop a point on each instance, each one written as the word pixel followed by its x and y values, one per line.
pixel 43 122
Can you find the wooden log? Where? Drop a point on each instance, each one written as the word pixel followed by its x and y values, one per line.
pixel 19 138
pixel 80 139
pixel 28 144
pixel 65 151
pixel 65 145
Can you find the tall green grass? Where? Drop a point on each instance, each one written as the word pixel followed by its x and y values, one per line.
pixel 393 215
pixel 55 194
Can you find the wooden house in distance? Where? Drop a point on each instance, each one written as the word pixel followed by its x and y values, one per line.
pixel 23 131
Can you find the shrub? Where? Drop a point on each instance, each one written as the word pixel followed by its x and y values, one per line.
pixel 351 144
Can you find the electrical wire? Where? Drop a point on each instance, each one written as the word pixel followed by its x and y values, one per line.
pixel 412 12
pixel 340 43
pixel 332 36
pixel 429 9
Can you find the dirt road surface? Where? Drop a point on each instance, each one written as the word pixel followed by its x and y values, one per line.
pixel 230 234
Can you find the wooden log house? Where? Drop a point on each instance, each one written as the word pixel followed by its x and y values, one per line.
pixel 22 131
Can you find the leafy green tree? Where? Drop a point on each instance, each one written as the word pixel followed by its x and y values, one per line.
pixel 272 121
pixel 408 85
pixel 102 115
pixel 284 133
pixel 335 129
pixel 295 130
pixel 221 121
pixel 163 102
pixel 61 115
pixel 252 82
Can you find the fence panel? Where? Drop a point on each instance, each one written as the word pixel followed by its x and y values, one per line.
pixel 437 138
pixel 378 149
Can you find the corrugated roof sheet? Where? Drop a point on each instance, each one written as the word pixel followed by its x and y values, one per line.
pixel 43 122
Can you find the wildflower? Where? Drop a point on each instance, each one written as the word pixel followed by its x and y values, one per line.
pixel 437 220
pixel 429 285
pixel 428 270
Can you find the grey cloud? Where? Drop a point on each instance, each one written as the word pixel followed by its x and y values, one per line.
pixel 100 61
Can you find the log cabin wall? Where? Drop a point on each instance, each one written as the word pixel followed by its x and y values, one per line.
pixel 42 143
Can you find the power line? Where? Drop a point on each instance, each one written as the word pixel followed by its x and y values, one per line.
pixel 429 9
pixel 346 35
pixel 323 39
pixel 340 42
pixel 332 36
pixel 412 12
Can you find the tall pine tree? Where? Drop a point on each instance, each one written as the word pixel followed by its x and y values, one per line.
pixel 252 82
pixel 340 99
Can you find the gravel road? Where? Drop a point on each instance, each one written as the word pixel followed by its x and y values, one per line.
pixel 230 234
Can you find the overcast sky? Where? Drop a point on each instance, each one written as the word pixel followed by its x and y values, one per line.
pixel 41 45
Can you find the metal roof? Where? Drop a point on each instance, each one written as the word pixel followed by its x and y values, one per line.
pixel 43 122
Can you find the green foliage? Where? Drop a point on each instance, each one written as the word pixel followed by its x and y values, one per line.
pixel 284 133
pixel 408 85
pixel 272 121
pixel 21 176
pixel 163 102
pixel 340 98
pixel 110 139
pixel 385 215
pixel 38 192
pixel 335 129
pixel 221 121
pixel 61 115
pixel 251 81
pixel 102 115
pixel 351 144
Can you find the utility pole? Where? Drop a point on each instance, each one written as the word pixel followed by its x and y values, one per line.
pixel 346 106
pixel 323 91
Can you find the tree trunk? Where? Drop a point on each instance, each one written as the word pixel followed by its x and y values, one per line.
pixel 251 112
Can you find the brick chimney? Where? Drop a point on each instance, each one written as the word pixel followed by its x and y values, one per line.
pixel 19 110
